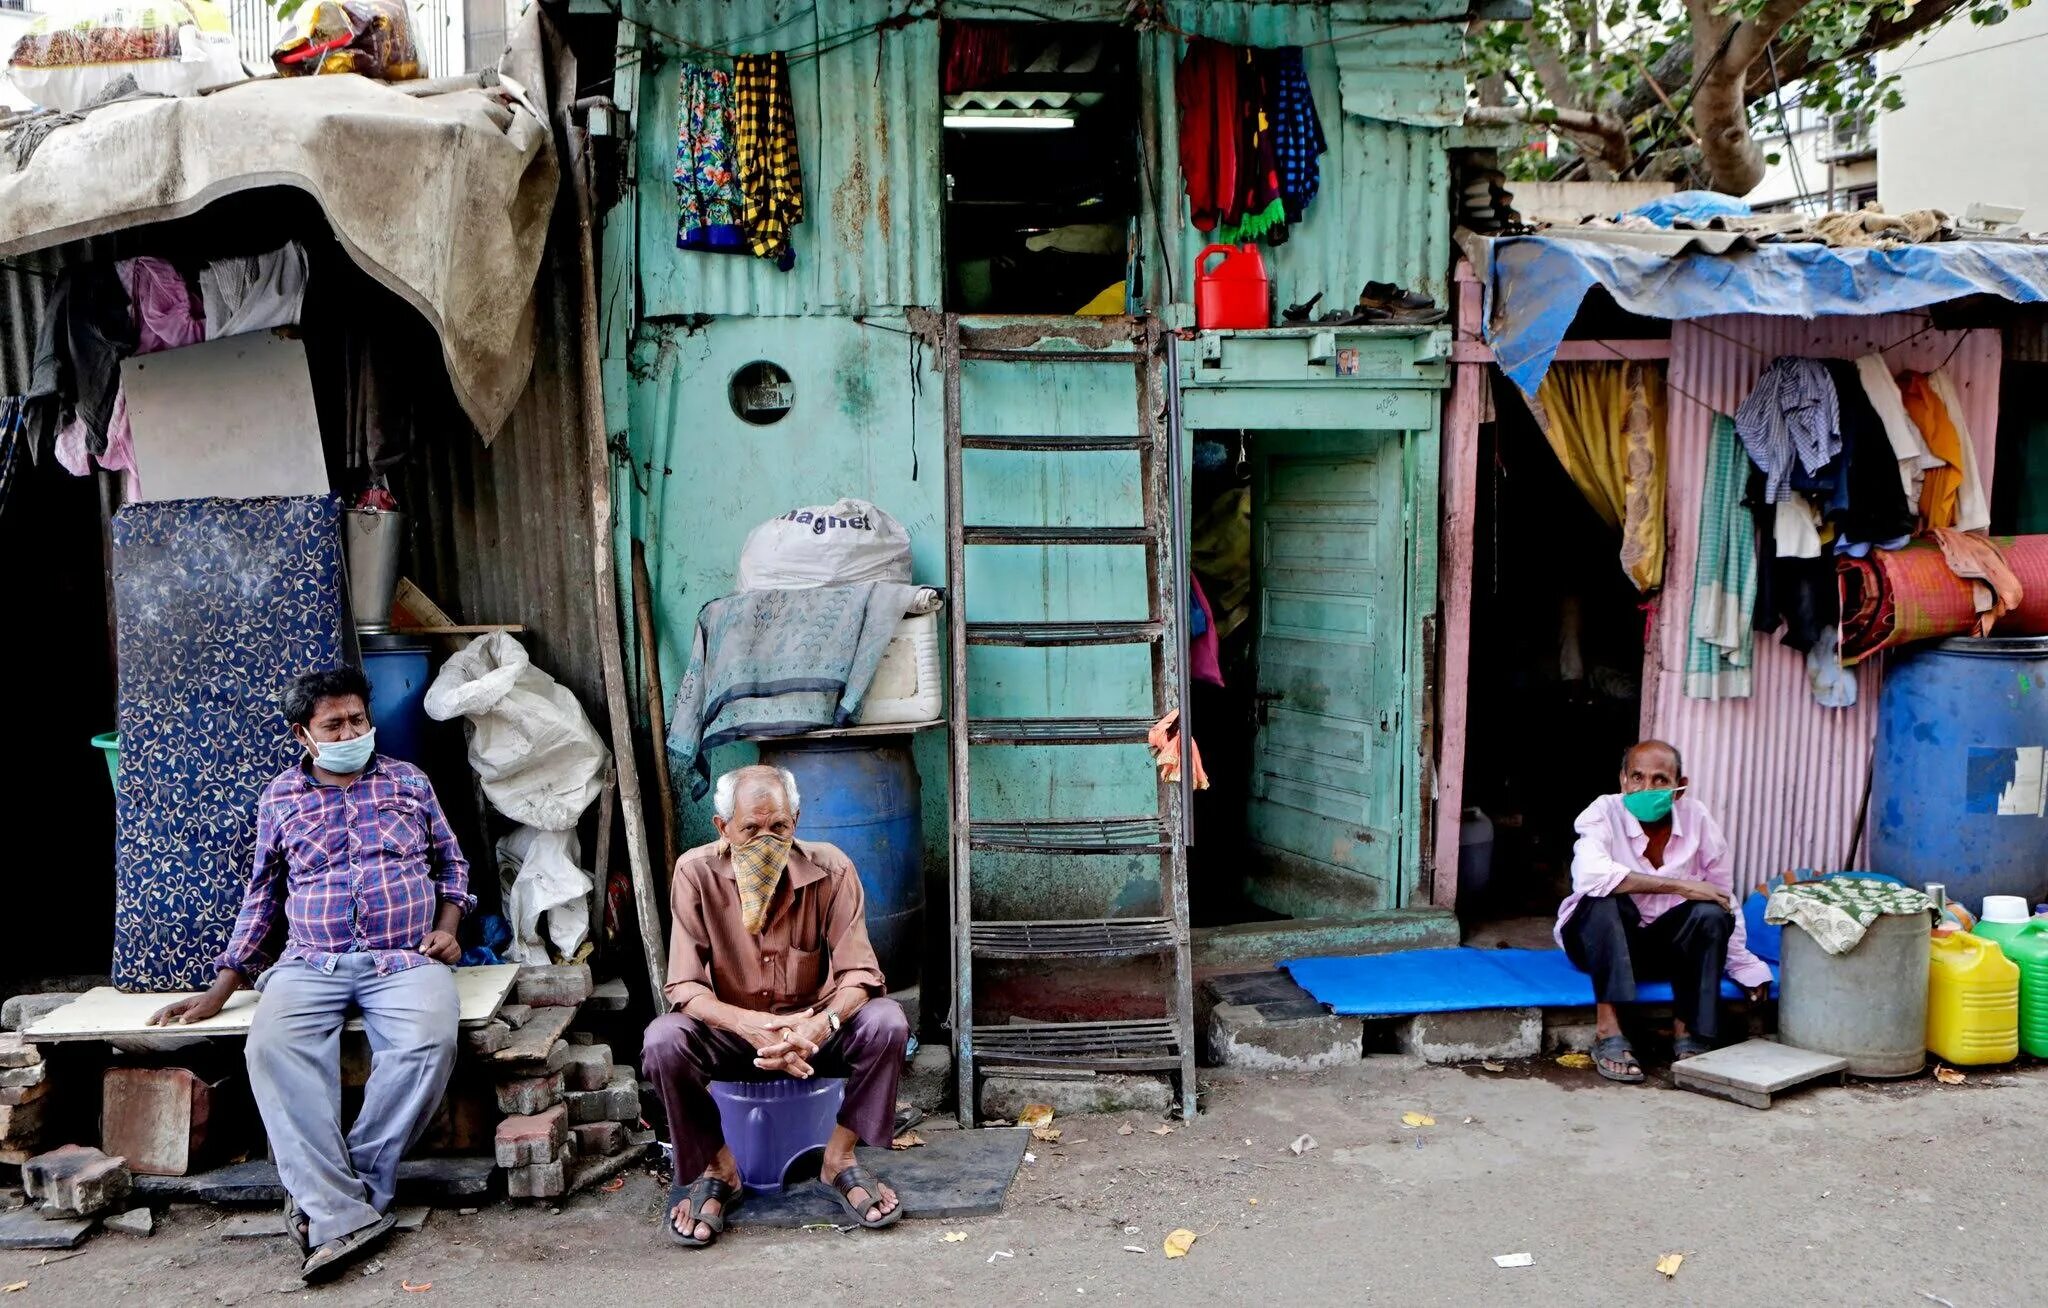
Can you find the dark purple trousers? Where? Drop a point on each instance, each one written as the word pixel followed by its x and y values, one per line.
pixel 682 1056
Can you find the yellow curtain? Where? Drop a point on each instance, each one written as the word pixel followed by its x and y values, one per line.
pixel 1605 421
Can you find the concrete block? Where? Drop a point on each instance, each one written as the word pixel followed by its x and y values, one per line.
pixel 599 1139
pixel 21 1124
pixel 24 1229
pixel 1567 1030
pixel 161 1119
pixel 1497 1033
pixel 136 1221
pixel 589 1067
pixel 24 1095
pixel 75 1181
pixel 23 1011
pixel 558 985
pixel 514 1015
pixel 1004 1095
pixel 530 1094
pixel 610 996
pixel 487 1039
pixel 1240 1035
pixel 532 1139
pixel 22 1078
pixel 619 1101
pixel 583 1038
pixel 598 1168
pixel 413 1218
pixel 928 1079
pixel 541 1181
pixel 537 1046
pixel 16 1052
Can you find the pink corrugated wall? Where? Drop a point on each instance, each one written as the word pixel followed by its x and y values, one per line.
pixel 1785 776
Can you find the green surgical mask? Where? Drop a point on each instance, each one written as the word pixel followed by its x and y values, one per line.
pixel 1649 805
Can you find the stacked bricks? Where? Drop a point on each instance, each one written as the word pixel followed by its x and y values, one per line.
pixel 571 1111
pixel 23 1083
pixel 75 1181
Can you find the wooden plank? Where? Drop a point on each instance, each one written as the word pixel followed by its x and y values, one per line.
pixel 531 1042
pixel 104 1013
pixel 1460 497
pixel 464 629
pixel 958 794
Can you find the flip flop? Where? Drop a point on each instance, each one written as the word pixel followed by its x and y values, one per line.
pixel 332 1258
pixel 1613 1059
pixel 698 1193
pixel 1689 1047
pixel 296 1224
pixel 854 1178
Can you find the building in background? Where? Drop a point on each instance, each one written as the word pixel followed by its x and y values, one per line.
pixel 15 16
pixel 1823 161
pixel 1970 129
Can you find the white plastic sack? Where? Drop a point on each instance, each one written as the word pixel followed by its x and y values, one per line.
pixel 539 759
pixel 840 544
pixel 538 874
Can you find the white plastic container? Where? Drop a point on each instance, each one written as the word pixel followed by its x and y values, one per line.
pixel 2005 908
pixel 907 686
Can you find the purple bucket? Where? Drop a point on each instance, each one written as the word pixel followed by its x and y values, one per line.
pixel 771 1124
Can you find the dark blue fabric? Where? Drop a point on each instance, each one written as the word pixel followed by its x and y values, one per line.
pixel 1456 980
pixel 217 604
pixel 1297 132
pixel 1536 283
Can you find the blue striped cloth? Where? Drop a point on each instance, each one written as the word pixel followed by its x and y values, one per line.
pixel 1792 413
pixel 1297 132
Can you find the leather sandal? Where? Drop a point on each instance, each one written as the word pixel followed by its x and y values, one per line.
pixel 697 1193
pixel 842 1186
pixel 1613 1059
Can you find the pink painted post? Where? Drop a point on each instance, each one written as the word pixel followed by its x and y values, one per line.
pixel 1460 495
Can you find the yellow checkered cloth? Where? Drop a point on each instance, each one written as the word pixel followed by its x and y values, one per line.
pixel 758 866
pixel 770 175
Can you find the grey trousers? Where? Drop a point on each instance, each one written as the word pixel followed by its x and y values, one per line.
pixel 344 1183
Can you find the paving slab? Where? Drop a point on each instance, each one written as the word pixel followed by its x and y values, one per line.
pixel 24 1228
pixel 953 1174
pixel 420 1180
pixel 1754 1071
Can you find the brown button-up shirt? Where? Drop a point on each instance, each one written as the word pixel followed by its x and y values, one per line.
pixel 814 944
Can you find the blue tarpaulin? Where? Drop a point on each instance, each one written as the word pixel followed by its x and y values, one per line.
pixel 1536 283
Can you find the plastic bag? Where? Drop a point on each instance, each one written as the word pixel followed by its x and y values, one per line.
pixel 539 876
pixel 370 37
pixel 841 544
pixel 79 48
pixel 539 759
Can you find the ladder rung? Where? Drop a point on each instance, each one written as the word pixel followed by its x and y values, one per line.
pixel 1063 633
pixel 1058 731
pixel 1127 835
pixel 1146 1044
pixel 1055 444
pixel 1104 938
pixel 1058 535
pixel 1052 356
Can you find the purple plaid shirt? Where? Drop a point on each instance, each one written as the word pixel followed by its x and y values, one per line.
pixel 357 869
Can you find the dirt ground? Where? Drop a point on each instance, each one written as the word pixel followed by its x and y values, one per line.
pixel 1908 1194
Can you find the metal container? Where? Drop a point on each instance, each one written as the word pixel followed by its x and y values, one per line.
pixel 863 794
pixel 372 541
pixel 1960 783
pixel 1868 1005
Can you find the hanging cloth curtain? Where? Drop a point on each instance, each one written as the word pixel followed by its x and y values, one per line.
pixel 707 179
pixel 1605 421
pixel 770 174
pixel 1205 91
pixel 1717 663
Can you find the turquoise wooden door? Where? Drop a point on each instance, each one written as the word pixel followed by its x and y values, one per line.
pixel 1329 567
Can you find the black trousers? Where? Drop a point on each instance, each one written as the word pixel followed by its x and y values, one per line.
pixel 1686 945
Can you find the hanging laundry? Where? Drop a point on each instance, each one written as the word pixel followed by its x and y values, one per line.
pixel 13 443
pixel 1724 576
pixel 1869 507
pixel 1796 594
pixel 165 316
pixel 254 293
pixel 1908 446
pixel 1791 417
pixel 1164 741
pixel 1205 90
pixel 1973 506
pixel 1950 495
pixel 770 172
pixel 977 56
pixel 1220 548
pixel 1797 527
pixel 1994 588
pixel 707 171
pixel 1605 422
pixel 1261 212
pixel 1297 132
pixel 1205 661
pixel 87 329
pixel 1833 685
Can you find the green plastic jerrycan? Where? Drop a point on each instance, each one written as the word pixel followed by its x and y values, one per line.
pixel 2028 947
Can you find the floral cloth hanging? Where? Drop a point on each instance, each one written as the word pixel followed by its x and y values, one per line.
pixel 707 172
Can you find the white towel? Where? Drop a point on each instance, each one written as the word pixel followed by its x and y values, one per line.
pixel 1908 446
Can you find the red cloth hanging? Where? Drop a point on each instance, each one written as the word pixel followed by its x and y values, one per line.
pixel 977 56
pixel 1205 89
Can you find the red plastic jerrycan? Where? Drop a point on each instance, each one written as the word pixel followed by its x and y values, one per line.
pixel 1236 293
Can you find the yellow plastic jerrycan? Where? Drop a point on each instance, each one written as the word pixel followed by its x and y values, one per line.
pixel 1973 1001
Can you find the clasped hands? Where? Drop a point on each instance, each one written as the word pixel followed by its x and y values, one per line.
pixel 785 1042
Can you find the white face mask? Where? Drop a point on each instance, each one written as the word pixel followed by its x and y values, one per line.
pixel 344 757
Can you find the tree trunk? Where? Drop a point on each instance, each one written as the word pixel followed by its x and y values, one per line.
pixel 1720 116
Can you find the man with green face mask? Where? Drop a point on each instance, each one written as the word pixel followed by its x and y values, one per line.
pixel 1653 899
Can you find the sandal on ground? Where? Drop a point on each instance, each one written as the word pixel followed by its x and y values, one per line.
pixel 297 1225
pixel 1689 1047
pixel 697 1193
pixel 907 1116
pixel 857 1177
pixel 330 1259
pixel 1613 1059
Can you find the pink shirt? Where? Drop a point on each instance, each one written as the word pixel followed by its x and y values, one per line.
pixel 1610 847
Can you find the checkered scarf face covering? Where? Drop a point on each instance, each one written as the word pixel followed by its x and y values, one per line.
pixel 758 866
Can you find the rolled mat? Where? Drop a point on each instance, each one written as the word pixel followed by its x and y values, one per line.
pixel 1896 597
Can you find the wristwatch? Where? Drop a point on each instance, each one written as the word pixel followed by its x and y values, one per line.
pixel 832 1020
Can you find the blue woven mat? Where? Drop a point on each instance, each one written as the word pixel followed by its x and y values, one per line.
pixel 217 604
pixel 1455 980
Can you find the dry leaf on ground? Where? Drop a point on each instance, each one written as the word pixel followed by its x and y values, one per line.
pixel 1046 1134
pixel 954 1237
pixel 1179 1242
pixel 1577 1062
pixel 13 1287
pixel 908 1140
pixel 1668 1265
pixel 1162 1130
pixel 1949 1076
pixel 1035 1115
pixel 1417 1119
pixel 1302 1144
pixel 1125 1129
pixel 1492 1066
pixel 415 1287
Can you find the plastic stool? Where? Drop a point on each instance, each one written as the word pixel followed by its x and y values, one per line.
pixel 771 1124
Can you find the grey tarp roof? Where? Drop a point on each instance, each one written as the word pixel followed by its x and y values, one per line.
pixel 443 198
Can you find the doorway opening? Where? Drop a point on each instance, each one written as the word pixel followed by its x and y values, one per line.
pixel 1041 166
pixel 1556 679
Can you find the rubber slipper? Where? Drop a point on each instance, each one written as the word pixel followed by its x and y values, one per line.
pixel 1613 1059
pixel 697 1193
pixel 1689 1047
pixel 332 1258
pixel 857 1178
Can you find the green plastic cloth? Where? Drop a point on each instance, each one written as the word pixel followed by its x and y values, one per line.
pixel 1836 912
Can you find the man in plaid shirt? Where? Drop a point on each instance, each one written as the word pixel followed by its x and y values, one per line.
pixel 353 848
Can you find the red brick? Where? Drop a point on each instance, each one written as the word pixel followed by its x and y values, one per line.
pixel 561 985
pixel 530 1094
pixel 537 1138
pixel 598 1139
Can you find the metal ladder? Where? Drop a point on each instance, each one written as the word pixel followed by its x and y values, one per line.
pixel 1135 1044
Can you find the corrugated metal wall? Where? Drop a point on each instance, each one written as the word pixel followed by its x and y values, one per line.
pixel 1785 776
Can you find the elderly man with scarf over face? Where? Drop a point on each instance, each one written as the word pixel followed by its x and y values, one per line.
pixel 770 974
